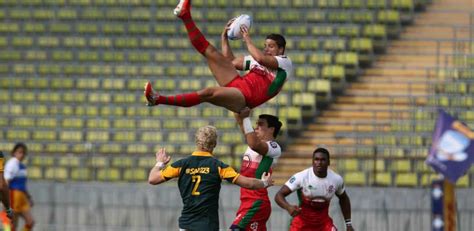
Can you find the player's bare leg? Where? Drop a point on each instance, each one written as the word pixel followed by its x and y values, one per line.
pixel 227 97
pixel 221 68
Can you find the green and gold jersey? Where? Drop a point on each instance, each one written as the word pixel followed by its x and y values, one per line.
pixel 200 176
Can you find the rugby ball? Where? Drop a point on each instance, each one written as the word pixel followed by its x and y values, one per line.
pixel 234 29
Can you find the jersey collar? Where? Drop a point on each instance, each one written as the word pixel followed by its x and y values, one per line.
pixel 201 153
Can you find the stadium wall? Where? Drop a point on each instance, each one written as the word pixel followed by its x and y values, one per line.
pixel 142 207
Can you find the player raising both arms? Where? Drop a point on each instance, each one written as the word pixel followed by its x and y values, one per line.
pixel 268 70
pixel 316 186
pixel 261 154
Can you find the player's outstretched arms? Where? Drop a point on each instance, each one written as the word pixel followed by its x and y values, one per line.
pixel 265 60
pixel 280 199
pixel 252 183
pixel 162 159
pixel 255 143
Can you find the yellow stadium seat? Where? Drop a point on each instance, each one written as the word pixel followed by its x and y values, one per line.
pixel 98 123
pixel 35 173
pixel 56 173
pixel 406 179
pixel 97 136
pixel 178 137
pixel 316 16
pixel 23 122
pixel 18 135
pixel 122 162
pixel 138 149
pixel 57 148
pixel 147 162
pixel 149 124
pixel 72 123
pixel 383 179
pixel 124 123
pixel 81 174
pixel 139 175
pixel 151 137
pixel 69 161
pixel 110 148
pixel 42 161
pixel 463 181
pixel 74 136
pixel 108 174
pixel 355 178
pixel 127 136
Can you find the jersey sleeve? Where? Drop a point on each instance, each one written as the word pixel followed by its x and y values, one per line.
pixel 274 150
pixel 295 182
pixel 227 173
pixel 171 171
pixel 11 169
pixel 247 62
pixel 340 186
pixel 285 63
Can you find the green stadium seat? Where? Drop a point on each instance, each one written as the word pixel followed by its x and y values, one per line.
pixel 307 44
pixel 348 31
pixel 60 28
pixel 231 137
pixel 334 44
pixel 290 15
pixel 87 110
pixel 69 161
pixel 295 85
pixel 34 28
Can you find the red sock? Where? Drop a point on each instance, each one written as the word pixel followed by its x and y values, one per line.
pixel 182 100
pixel 197 38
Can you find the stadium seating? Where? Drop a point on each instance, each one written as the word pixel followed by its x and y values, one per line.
pixel 71 78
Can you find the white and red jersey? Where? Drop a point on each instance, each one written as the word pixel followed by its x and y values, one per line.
pixel 315 195
pixel 254 164
pixel 284 65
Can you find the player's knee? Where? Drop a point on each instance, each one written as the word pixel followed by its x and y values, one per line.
pixel 207 93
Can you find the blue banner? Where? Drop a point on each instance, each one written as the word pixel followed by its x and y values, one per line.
pixel 452 149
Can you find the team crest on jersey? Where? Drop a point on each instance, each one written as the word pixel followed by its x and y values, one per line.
pixel 292 179
pixel 254 226
pixel 273 144
pixel 331 189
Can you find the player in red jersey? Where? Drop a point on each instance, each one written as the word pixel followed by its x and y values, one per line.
pixel 268 70
pixel 261 154
pixel 316 186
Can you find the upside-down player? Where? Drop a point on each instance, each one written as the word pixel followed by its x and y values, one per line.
pixel 268 70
